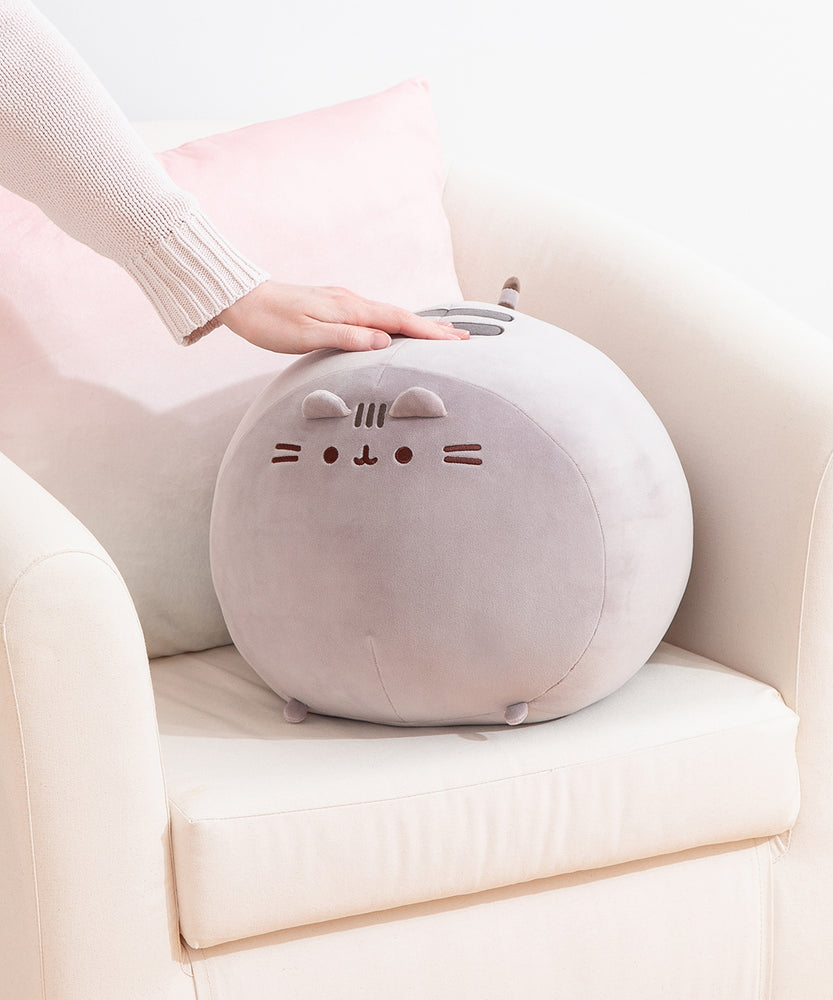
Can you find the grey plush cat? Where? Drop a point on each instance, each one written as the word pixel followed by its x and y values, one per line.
pixel 483 531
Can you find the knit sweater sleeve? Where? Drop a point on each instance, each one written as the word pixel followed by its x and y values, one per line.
pixel 66 146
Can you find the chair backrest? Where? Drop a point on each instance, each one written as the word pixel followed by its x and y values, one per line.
pixel 742 387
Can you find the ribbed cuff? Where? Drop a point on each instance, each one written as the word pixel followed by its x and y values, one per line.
pixel 191 276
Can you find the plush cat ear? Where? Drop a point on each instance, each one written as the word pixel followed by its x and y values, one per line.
pixel 417 402
pixel 324 404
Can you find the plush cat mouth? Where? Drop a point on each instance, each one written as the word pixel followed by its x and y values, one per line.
pixel 364 458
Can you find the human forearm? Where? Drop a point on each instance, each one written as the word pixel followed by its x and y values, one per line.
pixel 65 145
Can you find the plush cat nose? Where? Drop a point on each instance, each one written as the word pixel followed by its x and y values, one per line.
pixel 365 458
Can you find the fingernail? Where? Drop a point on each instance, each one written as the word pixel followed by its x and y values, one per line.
pixel 379 341
pixel 452 332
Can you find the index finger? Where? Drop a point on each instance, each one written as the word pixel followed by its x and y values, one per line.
pixel 394 320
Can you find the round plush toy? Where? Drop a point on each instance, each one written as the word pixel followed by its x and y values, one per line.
pixel 483 531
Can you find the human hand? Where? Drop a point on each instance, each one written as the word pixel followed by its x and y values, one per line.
pixel 295 319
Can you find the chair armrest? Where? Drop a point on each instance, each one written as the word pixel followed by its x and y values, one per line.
pixel 84 855
pixel 745 391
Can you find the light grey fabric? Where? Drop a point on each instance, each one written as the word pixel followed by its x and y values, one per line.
pixel 529 543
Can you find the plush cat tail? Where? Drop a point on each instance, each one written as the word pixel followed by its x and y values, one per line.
pixel 510 293
pixel 417 402
pixel 321 403
pixel 295 711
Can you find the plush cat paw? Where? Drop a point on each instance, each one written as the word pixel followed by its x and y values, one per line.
pixel 517 713
pixel 295 711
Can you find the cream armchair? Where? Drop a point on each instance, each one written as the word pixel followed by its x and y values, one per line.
pixel 163 833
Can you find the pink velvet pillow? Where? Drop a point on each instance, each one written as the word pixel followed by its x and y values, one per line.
pixel 126 428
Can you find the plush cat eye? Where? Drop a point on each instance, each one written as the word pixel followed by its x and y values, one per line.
pixel 330 455
pixel 403 455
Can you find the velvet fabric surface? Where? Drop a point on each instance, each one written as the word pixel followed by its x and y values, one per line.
pixel 479 531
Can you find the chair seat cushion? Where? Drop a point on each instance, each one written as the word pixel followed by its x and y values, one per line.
pixel 276 826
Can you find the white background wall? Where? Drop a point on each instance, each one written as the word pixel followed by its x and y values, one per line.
pixel 709 121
